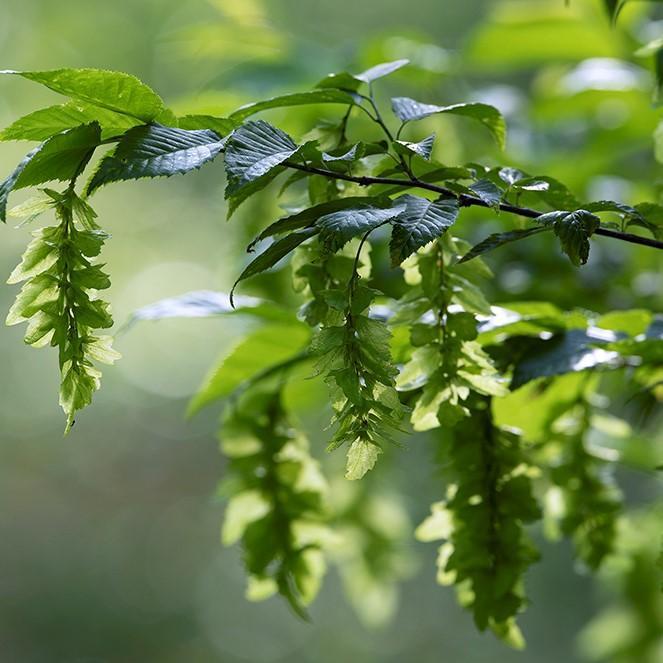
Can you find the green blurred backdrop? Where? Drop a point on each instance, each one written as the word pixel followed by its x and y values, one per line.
pixel 110 547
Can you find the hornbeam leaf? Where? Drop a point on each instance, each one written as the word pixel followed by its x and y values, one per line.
pixel 255 149
pixel 321 96
pixel 155 151
pixel 421 222
pixel 488 191
pixel 220 125
pixel 407 110
pixel 255 353
pixel 499 239
pixel 307 216
pixel 338 228
pixel 112 90
pixel 58 158
pixel 272 255
pixel 380 70
pixel 341 81
pixel 575 350
pixel 573 230
pixel 423 148
pixel 47 122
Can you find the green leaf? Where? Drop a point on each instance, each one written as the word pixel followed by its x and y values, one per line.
pixel 255 353
pixel 573 230
pixel 58 158
pixel 311 214
pixel 487 191
pixel 219 125
pixel 362 456
pixel 47 122
pixel 270 256
pixel 338 228
pixel 499 239
pixel 423 148
pixel 340 81
pixel 156 151
pixel 255 149
pixel 575 350
pixel 112 90
pixel 421 222
pixel 380 70
pixel 408 110
pixel 321 96
pixel 354 153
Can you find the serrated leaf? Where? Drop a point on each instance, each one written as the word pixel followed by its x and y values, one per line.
pixel 421 222
pixel 321 96
pixel 255 353
pixel 487 191
pixel 499 239
pixel 573 230
pixel 270 256
pixel 113 90
pixel 255 149
pixel 380 70
pixel 156 151
pixel 338 228
pixel 408 110
pixel 47 122
pixel 58 158
pixel 362 456
pixel 423 148
pixel 307 216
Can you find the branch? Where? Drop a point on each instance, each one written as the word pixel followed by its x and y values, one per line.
pixel 463 199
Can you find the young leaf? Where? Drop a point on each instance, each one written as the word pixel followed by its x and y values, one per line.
pixel 338 228
pixel 59 158
pixel 270 256
pixel 421 222
pixel 47 122
pixel 254 150
pixel 321 96
pixel 112 90
pixel 407 110
pixel 499 239
pixel 155 151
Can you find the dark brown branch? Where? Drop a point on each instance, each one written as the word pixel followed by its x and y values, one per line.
pixel 463 199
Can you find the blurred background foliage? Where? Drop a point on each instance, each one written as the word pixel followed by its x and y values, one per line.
pixel 110 548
